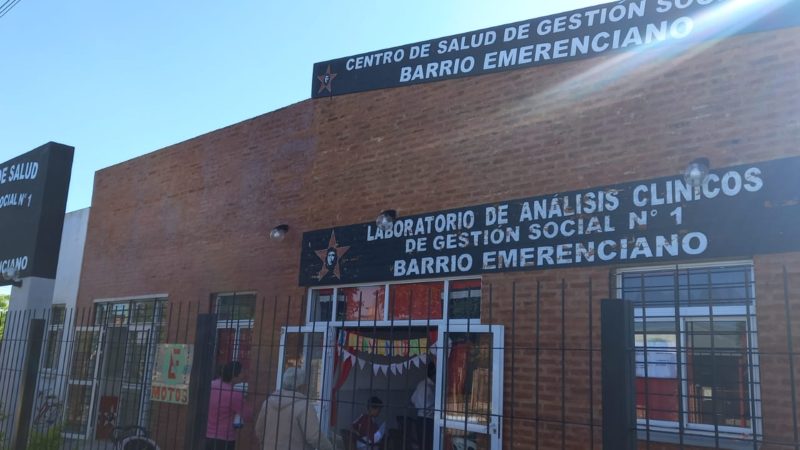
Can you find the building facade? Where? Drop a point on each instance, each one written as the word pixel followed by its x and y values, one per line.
pixel 188 226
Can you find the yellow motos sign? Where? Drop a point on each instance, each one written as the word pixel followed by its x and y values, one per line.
pixel 173 366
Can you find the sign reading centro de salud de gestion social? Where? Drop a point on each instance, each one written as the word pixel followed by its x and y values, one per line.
pixel 737 212
pixel 33 197
pixel 648 25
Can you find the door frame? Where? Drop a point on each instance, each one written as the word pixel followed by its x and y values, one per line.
pixel 325 383
pixel 93 382
pixel 494 429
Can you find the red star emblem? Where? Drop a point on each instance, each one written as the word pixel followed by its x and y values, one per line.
pixel 326 80
pixel 331 258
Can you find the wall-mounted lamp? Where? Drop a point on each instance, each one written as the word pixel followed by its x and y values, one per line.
pixel 385 219
pixel 279 232
pixel 12 274
pixel 696 172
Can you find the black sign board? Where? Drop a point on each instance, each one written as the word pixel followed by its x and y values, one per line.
pixel 739 211
pixel 33 196
pixel 666 25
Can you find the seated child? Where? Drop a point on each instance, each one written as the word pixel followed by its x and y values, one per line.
pixel 366 426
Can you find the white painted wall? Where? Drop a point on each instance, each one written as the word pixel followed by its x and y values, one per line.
pixel 70 259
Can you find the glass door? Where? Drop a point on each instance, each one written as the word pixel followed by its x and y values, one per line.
pixel 469 395
pixel 82 383
pixel 110 379
pixel 306 348
pixel 135 386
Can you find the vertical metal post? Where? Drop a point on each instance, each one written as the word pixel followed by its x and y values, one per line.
pixel 200 381
pixel 27 386
pixel 618 374
pixel 790 351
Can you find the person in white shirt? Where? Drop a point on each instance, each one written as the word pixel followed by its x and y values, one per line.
pixel 424 400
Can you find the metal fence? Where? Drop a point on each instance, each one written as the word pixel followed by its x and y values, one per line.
pixel 693 357
pixel 714 357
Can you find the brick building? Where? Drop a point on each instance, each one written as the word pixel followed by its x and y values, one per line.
pixel 190 225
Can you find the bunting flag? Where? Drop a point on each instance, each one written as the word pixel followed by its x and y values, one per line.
pixel 366 345
pixel 401 348
pixel 413 347
pixel 415 351
pixel 386 347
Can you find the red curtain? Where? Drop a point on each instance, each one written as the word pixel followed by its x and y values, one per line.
pixel 457 375
pixel 227 343
pixel 419 301
pixel 344 371
pixel 661 401
pixel 226 337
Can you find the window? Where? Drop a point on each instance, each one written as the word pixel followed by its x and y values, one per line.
pixel 111 364
pixel 696 350
pixel 130 312
pixel 464 299
pixel 418 301
pixel 55 335
pixel 322 305
pixel 235 314
pixel 364 303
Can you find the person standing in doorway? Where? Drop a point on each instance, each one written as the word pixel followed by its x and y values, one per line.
pixel 424 400
pixel 288 420
pixel 227 409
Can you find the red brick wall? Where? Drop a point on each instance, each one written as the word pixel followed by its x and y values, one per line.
pixel 773 290
pixel 193 219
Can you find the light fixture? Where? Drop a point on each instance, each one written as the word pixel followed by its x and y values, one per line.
pixel 696 172
pixel 12 274
pixel 386 219
pixel 279 232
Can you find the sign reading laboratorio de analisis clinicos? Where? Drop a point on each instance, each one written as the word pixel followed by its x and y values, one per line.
pixel 668 26
pixel 737 211
pixel 33 197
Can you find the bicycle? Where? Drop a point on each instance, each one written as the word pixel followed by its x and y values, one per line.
pixel 132 438
pixel 49 409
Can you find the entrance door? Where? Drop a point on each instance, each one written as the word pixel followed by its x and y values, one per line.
pixel 130 379
pixel 469 394
pixel 307 348
pixel 124 378
pixel 82 383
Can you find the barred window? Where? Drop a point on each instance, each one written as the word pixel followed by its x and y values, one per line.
pixel 55 335
pixel 696 350
pixel 235 315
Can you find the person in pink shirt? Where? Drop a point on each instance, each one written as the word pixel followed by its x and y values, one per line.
pixel 227 410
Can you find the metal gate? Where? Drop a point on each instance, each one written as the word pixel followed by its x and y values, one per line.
pixel 660 357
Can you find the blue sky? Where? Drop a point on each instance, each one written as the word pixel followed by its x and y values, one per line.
pixel 118 79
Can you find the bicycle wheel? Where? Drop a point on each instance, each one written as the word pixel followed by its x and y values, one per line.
pixel 39 418
pixel 52 414
pixel 138 443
